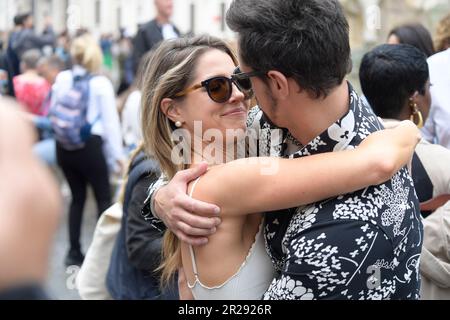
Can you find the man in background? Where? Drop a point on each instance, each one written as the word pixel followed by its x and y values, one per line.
pixel 155 31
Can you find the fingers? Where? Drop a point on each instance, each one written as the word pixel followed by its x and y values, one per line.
pixel 198 207
pixel 194 232
pixel 193 173
pixel 203 209
pixel 192 225
pixel 197 222
pixel 193 229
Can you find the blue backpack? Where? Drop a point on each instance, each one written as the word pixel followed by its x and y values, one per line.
pixel 68 115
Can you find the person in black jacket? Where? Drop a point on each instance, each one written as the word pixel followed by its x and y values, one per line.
pixel 27 39
pixel 136 255
pixel 155 31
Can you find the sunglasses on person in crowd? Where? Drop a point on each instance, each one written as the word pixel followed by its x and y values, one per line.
pixel 220 89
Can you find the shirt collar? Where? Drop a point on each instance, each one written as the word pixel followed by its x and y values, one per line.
pixel 337 137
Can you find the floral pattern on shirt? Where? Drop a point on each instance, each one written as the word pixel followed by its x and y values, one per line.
pixel 364 245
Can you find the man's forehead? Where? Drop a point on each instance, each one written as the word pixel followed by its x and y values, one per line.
pixel 244 68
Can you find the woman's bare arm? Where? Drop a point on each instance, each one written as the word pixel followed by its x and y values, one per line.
pixel 266 184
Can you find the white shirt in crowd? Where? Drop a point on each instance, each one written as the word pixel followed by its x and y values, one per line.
pixel 131 120
pixel 168 32
pixel 437 127
pixel 102 103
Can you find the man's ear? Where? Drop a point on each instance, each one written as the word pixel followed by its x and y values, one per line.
pixel 278 84
pixel 171 110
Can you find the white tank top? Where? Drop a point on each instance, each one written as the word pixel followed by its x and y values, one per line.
pixel 249 283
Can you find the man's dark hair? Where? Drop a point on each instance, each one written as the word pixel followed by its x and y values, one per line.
pixel 390 74
pixel 20 19
pixel 307 40
pixel 416 35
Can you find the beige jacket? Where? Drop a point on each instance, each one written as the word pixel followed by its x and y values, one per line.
pixel 435 259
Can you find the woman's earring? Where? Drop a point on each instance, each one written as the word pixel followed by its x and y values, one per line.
pixel 178 124
pixel 416 114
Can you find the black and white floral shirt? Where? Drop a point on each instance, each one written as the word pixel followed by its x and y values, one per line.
pixel 364 245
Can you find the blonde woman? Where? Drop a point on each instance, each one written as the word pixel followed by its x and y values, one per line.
pixel 88 164
pixel 190 80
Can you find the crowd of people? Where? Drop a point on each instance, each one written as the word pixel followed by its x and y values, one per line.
pixel 311 198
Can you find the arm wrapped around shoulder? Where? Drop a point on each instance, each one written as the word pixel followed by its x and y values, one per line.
pixel 391 149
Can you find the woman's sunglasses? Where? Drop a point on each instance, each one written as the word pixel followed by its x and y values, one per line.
pixel 220 89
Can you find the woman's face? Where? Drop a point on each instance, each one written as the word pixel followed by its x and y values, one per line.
pixel 393 39
pixel 197 106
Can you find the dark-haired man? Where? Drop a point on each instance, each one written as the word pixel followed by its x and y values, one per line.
pixel 364 245
pixel 28 39
pixel 155 31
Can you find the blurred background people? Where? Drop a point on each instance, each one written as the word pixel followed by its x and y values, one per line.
pixel 11 58
pixel 124 51
pixel 27 38
pixel 442 38
pixel 89 165
pixel 155 31
pixel 106 43
pixel 30 88
pixel 395 81
pixel 414 34
pixel 45 149
pixel 3 82
pixel 437 127
pixel 130 110
pixel 62 49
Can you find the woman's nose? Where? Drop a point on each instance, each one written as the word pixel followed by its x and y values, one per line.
pixel 236 95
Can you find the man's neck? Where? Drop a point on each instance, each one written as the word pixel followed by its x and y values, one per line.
pixel 311 117
pixel 162 20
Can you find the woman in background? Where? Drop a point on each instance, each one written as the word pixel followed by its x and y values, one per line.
pixel 89 165
pixel 396 82
pixel 414 34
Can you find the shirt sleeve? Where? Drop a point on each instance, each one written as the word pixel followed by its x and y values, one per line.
pixel 112 134
pixel 429 130
pixel 47 38
pixel 324 264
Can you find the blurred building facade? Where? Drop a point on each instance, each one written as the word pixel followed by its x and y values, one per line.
pixel 108 16
pixel 370 20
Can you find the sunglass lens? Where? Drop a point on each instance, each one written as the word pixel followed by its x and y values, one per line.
pixel 244 83
pixel 219 90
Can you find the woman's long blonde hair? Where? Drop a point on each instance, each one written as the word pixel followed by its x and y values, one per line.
pixel 171 69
